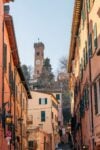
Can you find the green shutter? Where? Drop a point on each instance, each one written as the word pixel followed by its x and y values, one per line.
pixel 88 5
pixel 58 96
pixel 95 98
pixel 42 116
pixel 45 100
pixel 5 57
pixel 90 45
pixel 95 36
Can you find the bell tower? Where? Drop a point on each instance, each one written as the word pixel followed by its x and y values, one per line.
pixel 39 58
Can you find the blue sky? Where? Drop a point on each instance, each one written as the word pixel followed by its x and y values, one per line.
pixel 48 20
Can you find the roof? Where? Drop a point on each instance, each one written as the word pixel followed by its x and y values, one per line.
pixel 24 81
pixel 74 31
pixel 7 1
pixel 45 92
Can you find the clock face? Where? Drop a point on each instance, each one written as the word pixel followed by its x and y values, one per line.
pixel 37 62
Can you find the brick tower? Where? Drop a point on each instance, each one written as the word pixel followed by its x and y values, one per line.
pixel 39 58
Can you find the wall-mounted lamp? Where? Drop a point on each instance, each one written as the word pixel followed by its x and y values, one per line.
pixel 8 118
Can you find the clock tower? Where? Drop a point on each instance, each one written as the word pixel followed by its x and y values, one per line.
pixel 39 58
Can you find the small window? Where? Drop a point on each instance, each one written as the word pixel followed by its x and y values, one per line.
pixel 39 100
pixel 37 53
pixel 30 145
pixel 37 71
pixel 95 36
pixel 58 96
pixel 52 115
pixel 45 100
pixel 5 57
pixel 90 45
pixel 95 98
pixel 42 116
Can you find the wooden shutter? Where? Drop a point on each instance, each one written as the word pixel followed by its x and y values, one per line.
pixel 95 36
pixel 42 115
pixel 95 98
pixel 90 45
pixel 45 100
pixel 39 100
pixel 5 57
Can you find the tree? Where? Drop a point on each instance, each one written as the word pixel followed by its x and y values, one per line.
pixel 47 77
pixel 62 78
pixel 26 72
pixel 63 64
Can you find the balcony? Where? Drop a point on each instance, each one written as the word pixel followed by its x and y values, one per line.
pixel 30 119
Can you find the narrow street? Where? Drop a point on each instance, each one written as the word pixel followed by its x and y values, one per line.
pixel 50 75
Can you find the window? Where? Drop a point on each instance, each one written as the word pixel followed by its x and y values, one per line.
pixel 86 53
pixel 58 96
pixel 42 116
pixel 95 36
pixel 52 115
pixel 97 96
pixel 90 45
pixel 30 145
pixel 37 53
pixel 88 5
pixel 5 57
pixel 23 103
pixel 43 101
pixel 37 71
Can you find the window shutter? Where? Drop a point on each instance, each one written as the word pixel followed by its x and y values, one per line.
pixel 9 73
pixel 95 98
pixel 39 100
pixel 86 53
pixel 5 57
pixel 84 56
pixel 45 100
pixel 42 115
pixel 57 96
pixel 83 16
pixel 82 107
pixel 95 36
pixel 88 5
pixel 90 45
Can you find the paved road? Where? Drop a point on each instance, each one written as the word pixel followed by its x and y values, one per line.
pixel 64 147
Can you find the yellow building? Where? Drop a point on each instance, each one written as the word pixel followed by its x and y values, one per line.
pixel 43 113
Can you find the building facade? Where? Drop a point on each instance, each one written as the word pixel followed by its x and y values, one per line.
pixel 43 113
pixel 14 92
pixel 84 72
